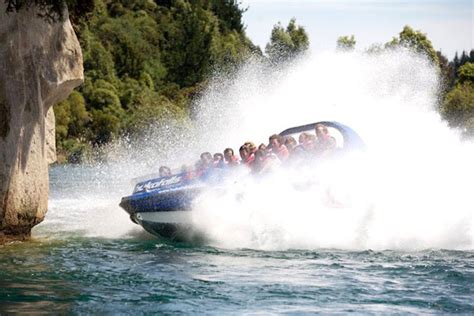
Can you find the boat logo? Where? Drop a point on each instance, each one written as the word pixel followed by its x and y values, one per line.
pixel 153 184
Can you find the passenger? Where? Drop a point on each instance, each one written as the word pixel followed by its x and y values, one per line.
pixel 263 147
pixel 164 171
pixel 251 146
pixel 198 168
pixel 325 143
pixel 206 160
pixel 307 141
pixel 187 171
pixel 278 148
pixel 246 155
pixel 302 138
pixel 290 143
pixel 218 161
pixel 229 157
pixel 264 162
pixel 311 142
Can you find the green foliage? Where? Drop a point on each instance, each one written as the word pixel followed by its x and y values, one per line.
pixel 79 117
pixel 458 107
pixel 53 10
pixel 71 117
pixel 98 61
pixel 188 32
pixel 144 61
pixel 457 77
pixel 105 125
pixel 466 73
pixel 62 112
pixel 101 98
pixel 285 44
pixel 346 43
pixel 152 109
pixel 73 150
pixel 229 15
pixel 417 41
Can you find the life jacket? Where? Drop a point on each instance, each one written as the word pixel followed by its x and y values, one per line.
pixel 282 152
pixel 234 161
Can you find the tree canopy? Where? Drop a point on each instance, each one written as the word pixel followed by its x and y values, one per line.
pixel 346 43
pixel 417 41
pixel 52 10
pixel 458 106
pixel 143 62
pixel 287 43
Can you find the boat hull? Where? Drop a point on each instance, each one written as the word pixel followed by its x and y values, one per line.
pixel 170 225
pixel 160 201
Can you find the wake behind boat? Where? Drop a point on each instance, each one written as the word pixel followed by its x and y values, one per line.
pixel 162 205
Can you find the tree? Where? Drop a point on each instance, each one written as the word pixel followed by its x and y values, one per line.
pixel 456 60
pixel 229 14
pixel 464 58
pixel 188 32
pixel 287 43
pixel 458 107
pixel 346 43
pixel 53 10
pixel 417 41
pixel 466 73
pixel 447 74
pixel 144 62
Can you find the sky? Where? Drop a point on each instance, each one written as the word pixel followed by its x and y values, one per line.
pixel 447 23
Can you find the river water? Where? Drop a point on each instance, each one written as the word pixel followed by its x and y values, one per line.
pixel 401 243
pixel 87 257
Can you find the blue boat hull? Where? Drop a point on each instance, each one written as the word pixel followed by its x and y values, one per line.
pixel 158 201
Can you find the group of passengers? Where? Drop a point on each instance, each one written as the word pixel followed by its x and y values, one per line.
pixel 260 159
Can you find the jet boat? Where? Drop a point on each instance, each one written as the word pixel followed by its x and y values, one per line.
pixel 162 205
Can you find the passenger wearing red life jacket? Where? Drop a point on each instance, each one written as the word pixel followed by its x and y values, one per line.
pixel 264 162
pixel 229 157
pixel 278 147
pixel 188 172
pixel 246 156
pixel 251 147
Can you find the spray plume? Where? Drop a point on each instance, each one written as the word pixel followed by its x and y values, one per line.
pixel 409 190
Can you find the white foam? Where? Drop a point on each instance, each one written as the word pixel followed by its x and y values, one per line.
pixel 410 190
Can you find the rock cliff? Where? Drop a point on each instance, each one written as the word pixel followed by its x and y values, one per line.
pixel 40 64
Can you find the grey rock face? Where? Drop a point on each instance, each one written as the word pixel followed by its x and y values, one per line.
pixel 40 64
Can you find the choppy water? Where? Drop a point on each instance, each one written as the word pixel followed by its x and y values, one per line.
pixel 402 243
pixel 88 257
pixel 140 275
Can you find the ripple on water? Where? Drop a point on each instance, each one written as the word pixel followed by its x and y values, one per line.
pixel 95 275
